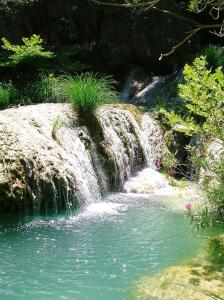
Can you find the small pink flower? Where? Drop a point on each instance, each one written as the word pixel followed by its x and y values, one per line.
pixel 170 171
pixel 188 206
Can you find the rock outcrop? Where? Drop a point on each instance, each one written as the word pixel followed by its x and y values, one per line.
pixel 49 163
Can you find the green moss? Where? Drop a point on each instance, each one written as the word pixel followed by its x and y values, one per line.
pixel 134 110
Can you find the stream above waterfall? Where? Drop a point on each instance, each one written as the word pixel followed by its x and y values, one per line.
pixel 97 253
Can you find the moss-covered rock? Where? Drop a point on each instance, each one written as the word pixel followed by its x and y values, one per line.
pixel 202 279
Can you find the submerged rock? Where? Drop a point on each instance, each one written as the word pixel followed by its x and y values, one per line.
pixel 48 163
pixel 202 279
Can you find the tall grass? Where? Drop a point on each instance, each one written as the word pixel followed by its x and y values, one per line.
pixel 48 88
pixel 86 92
pixel 7 94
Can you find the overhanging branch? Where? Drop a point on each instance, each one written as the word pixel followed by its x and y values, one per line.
pixel 217 5
pixel 187 38
pixel 129 4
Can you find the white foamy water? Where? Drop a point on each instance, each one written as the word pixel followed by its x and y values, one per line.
pixel 97 210
pixel 104 208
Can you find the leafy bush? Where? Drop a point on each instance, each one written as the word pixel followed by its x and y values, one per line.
pixel 86 92
pixel 213 184
pixel 7 94
pixel 32 48
pixel 203 96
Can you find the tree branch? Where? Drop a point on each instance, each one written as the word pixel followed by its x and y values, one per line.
pixel 129 4
pixel 175 15
pixel 217 5
pixel 187 38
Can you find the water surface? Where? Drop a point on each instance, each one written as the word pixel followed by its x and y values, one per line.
pixel 96 254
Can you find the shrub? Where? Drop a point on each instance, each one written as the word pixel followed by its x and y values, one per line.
pixel 7 94
pixel 86 92
pixel 212 213
pixel 203 96
pixel 32 48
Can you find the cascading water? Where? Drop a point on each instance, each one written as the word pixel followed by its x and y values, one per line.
pixel 132 145
pixel 142 89
pixel 150 90
pixel 130 86
pixel 55 173
pixel 48 172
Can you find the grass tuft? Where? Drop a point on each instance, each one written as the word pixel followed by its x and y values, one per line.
pixel 7 93
pixel 86 92
pixel 48 89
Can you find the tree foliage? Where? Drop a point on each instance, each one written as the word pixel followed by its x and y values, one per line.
pixel 31 48
pixel 215 9
pixel 202 93
pixel 200 5
pixel 9 6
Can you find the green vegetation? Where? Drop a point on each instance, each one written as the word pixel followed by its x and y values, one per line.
pixel 32 48
pixel 202 93
pixel 57 124
pixel 7 93
pixel 86 92
pixel 66 62
pixel 48 88
pixel 203 96
pixel 199 5
pixel 214 55
pixel 35 75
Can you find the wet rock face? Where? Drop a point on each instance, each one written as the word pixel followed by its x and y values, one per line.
pixel 40 172
pixel 46 168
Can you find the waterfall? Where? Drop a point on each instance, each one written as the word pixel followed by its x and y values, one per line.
pixel 47 173
pixel 150 91
pixel 143 89
pixel 125 140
